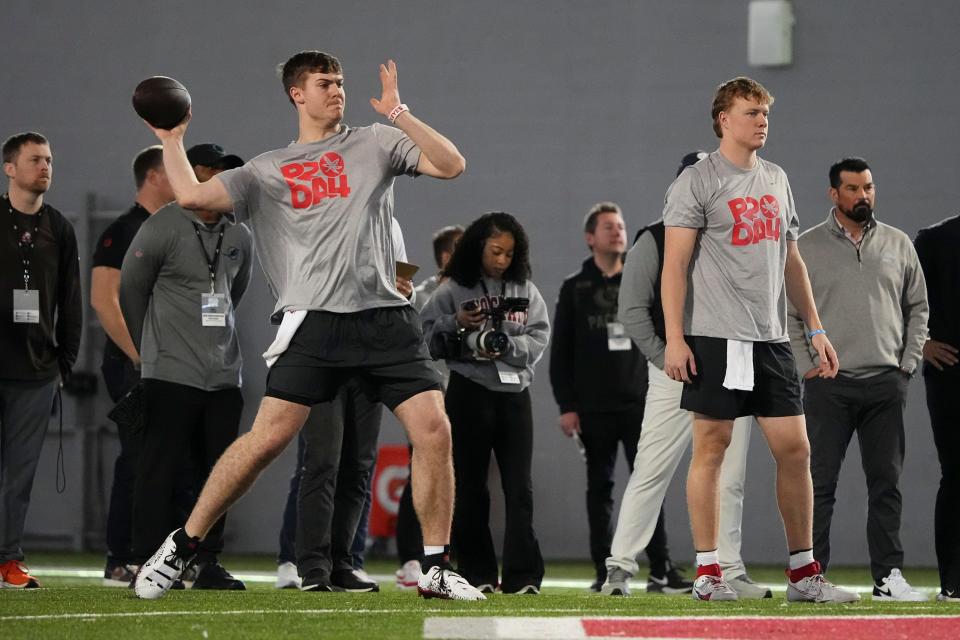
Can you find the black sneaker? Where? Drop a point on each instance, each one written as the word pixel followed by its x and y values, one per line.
pixel 212 575
pixel 348 580
pixel 316 582
pixel 119 573
pixel 672 583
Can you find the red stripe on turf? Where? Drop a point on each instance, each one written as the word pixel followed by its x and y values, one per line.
pixel 888 628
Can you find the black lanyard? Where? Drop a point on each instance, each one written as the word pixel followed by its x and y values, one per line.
pixel 25 240
pixel 486 294
pixel 214 262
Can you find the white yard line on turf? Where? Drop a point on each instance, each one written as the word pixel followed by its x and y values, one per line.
pixel 268 576
pixel 521 611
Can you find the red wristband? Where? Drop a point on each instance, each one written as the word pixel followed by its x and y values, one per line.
pixel 400 108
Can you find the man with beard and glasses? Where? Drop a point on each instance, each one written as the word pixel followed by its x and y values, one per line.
pixel 869 289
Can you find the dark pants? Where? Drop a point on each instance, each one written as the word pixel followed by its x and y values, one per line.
pixel 602 435
pixel 25 408
pixel 943 401
pixel 873 409
pixel 288 530
pixel 409 535
pixel 120 377
pixel 340 440
pixel 185 433
pixel 482 422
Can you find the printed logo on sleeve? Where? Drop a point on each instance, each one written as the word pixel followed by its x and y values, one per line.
pixel 311 182
pixel 754 220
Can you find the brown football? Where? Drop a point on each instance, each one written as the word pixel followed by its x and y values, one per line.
pixel 161 101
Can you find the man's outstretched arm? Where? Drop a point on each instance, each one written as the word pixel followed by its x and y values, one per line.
pixel 439 158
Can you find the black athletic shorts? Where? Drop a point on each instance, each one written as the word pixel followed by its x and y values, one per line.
pixel 776 385
pixel 383 348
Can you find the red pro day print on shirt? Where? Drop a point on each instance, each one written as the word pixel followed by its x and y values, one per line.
pixel 311 182
pixel 754 220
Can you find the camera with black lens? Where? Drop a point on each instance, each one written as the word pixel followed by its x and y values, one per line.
pixel 490 338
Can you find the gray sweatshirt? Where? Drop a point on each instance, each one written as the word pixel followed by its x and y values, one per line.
pixel 163 277
pixel 872 300
pixel 529 331
pixel 637 295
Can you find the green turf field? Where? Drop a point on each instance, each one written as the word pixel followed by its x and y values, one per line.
pixel 74 606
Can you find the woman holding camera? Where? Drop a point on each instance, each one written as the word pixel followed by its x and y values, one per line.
pixel 490 324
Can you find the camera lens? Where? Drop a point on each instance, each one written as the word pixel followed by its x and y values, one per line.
pixel 494 341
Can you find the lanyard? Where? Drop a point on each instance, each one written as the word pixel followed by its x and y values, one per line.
pixel 213 262
pixel 503 289
pixel 26 240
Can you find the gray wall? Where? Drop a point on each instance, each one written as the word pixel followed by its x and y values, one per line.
pixel 555 106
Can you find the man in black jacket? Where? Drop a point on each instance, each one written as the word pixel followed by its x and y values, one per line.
pixel 937 249
pixel 599 380
pixel 40 325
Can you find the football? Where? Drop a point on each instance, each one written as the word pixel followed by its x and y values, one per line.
pixel 161 101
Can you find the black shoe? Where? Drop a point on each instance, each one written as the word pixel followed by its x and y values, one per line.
pixel 316 582
pixel 672 583
pixel 212 575
pixel 595 585
pixel 348 580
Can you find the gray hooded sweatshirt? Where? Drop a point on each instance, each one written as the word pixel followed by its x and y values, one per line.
pixel 164 274
pixel 529 331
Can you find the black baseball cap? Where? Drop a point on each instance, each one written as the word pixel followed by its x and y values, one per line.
pixel 690 159
pixel 212 155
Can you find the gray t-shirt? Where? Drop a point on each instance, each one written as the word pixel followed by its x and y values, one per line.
pixel 321 215
pixel 736 286
pixel 165 272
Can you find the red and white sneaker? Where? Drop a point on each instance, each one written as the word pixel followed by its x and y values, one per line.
pixel 15 575
pixel 439 582
pixel 408 575
pixel 712 588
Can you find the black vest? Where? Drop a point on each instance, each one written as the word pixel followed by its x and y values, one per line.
pixel 657 231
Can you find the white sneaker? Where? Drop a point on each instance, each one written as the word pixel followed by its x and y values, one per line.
pixel 158 574
pixel 287 577
pixel 896 587
pixel 446 584
pixel 408 575
pixel 818 589
pixel 712 588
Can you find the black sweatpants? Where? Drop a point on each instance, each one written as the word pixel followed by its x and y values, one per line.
pixel 943 402
pixel 186 428
pixel 482 422
pixel 120 377
pixel 873 409
pixel 602 435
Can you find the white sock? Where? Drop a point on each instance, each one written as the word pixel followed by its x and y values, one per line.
pixel 801 559
pixel 432 550
pixel 705 558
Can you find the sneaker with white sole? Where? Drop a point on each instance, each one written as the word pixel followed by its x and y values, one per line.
pixel 672 583
pixel 528 589
pixel 747 589
pixel 712 588
pixel 287 577
pixel 617 582
pixel 439 582
pixel 162 570
pixel 896 587
pixel 119 574
pixel 945 595
pixel 816 588
pixel 408 575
